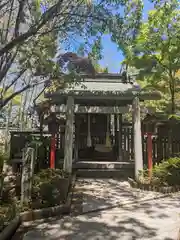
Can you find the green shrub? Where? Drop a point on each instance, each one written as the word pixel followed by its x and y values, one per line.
pixel 7 213
pixel 49 173
pixel 165 173
pixel 173 177
pixel 45 190
pixel 2 158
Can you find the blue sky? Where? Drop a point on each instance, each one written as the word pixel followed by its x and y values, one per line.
pixel 113 57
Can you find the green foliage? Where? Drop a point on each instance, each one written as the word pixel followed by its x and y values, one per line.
pixel 173 168
pixel 2 158
pixel 49 173
pixel 7 213
pixel 30 38
pixel 2 174
pixel 155 52
pixel 100 69
pixel 46 190
pixel 125 29
pixel 16 100
pixel 37 55
pixel 8 206
pixel 165 173
pixel 96 50
pixel 95 54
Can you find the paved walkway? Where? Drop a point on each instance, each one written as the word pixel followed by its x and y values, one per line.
pixel 149 220
pixel 108 193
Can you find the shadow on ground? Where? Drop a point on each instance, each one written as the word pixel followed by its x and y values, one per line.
pixel 153 220
pixel 107 193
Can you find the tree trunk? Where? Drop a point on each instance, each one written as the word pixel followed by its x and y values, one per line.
pixel 173 105
pixel 172 92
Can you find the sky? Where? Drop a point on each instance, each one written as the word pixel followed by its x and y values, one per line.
pixel 113 57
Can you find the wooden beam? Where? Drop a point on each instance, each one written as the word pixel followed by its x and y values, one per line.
pixel 68 146
pixel 94 109
pixel 138 156
pixel 104 95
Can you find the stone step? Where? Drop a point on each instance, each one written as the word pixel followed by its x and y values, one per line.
pixel 105 173
pixel 103 165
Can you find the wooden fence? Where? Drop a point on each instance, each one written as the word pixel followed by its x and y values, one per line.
pixel 127 143
pixel 164 146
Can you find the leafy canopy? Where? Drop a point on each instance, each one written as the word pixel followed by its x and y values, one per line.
pixel 156 50
pixel 32 30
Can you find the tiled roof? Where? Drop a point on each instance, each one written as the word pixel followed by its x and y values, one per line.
pixel 96 87
pixel 104 86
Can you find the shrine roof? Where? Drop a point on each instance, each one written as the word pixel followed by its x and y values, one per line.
pixel 104 86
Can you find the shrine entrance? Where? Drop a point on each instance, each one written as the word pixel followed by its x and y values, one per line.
pixel 94 129
pixel 103 137
pixel 95 138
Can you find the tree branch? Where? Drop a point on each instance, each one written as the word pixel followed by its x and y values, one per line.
pixel 47 16
pixel 19 17
pixel 15 80
pixel 7 65
pixel 4 4
pixel 9 21
pixel 6 100
pixel 3 102
pixel 32 30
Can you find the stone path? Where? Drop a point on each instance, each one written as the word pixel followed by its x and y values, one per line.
pixel 108 193
pixel 157 219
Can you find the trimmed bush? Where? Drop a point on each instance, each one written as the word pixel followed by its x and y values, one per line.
pixel 47 188
pixel 168 171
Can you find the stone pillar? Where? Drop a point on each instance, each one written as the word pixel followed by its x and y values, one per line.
pixel 138 156
pixel 76 147
pixel 120 138
pixel 28 162
pixel 68 144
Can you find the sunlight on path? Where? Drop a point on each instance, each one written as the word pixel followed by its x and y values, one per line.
pixel 152 220
pixel 102 193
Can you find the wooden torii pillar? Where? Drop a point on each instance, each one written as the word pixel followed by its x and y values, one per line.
pixel 138 155
pixel 68 144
